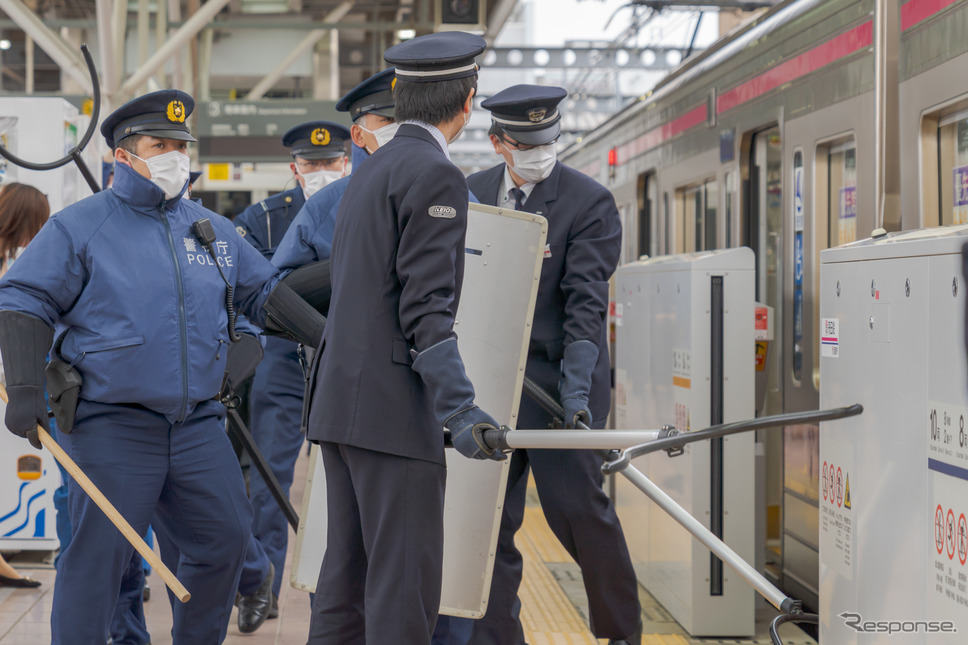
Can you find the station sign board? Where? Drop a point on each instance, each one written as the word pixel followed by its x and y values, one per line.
pixel 251 131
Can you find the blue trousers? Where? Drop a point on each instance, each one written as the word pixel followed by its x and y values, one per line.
pixel 582 517
pixel 181 476
pixel 276 400
pixel 128 625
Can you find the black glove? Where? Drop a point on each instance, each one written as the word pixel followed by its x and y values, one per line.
pixel 26 408
pixel 442 370
pixel 467 434
pixel 25 341
pixel 289 315
pixel 576 381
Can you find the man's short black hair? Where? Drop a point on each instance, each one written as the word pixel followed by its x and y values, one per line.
pixel 130 143
pixel 432 103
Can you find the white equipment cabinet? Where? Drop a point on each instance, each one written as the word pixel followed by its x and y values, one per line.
pixel 45 129
pixel 685 355
pixel 28 478
pixel 894 498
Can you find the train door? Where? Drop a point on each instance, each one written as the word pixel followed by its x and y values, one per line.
pixel 761 229
pixel 696 217
pixel 833 222
pixel 763 232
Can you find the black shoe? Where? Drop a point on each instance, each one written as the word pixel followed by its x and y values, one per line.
pixel 274 612
pixel 634 639
pixel 25 583
pixel 254 609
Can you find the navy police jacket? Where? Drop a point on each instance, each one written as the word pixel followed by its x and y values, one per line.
pixel 138 304
pixel 310 238
pixel 397 267
pixel 583 244
pixel 265 224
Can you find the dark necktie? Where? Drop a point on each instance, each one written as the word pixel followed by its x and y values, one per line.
pixel 518 195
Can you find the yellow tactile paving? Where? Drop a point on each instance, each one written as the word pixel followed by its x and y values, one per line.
pixel 547 615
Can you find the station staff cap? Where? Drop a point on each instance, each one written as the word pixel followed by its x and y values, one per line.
pixel 317 140
pixel 528 113
pixel 443 56
pixel 159 114
pixel 372 96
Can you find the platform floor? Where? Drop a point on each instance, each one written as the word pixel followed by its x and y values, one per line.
pixel 554 606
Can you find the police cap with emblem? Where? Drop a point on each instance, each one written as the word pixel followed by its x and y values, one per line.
pixel 528 113
pixel 317 140
pixel 442 56
pixel 372 96
pixel 159 114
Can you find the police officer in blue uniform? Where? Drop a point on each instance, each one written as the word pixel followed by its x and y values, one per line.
pixel 390 377
pixel 138 298
pixel 568 357
pixel 319 158
pixel 310 238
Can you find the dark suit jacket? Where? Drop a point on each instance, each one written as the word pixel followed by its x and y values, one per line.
pixel 584 240
pixel 397 266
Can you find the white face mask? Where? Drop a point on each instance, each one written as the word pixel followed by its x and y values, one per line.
pixel 382 135
pixel 533 165
pixel 461 131
pixel 169 171
pixel 314 181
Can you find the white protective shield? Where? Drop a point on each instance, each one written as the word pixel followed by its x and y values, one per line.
pixel 504 250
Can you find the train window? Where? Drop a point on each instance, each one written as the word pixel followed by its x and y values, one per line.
pixel 841 193
pixel 628 234
pixel 797 318
pixel 667 242
pixel 696 217
pixel 834 215
pixel 647 194
pixel 730 205
pixel 952 167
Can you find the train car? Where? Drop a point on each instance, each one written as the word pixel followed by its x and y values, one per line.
pixel 808 127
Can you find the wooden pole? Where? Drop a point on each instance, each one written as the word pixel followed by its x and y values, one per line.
pixel 108 509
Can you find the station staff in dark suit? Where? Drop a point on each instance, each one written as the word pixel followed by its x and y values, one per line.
pixel 390 376
pixel 568 357
pixel 318 158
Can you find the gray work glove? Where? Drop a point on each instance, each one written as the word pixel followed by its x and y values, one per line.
pixel 467 430
pixel 577 367
pixel 442 370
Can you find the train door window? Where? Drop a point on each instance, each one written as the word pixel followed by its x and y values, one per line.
pixel 842 193
pixel 797 319
pixel 647 194
pixel 666 225
pixel 628 234
pixel 696 217
pixel 952 187
pixel 729 206
pixel 710 197
pixel 762 229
